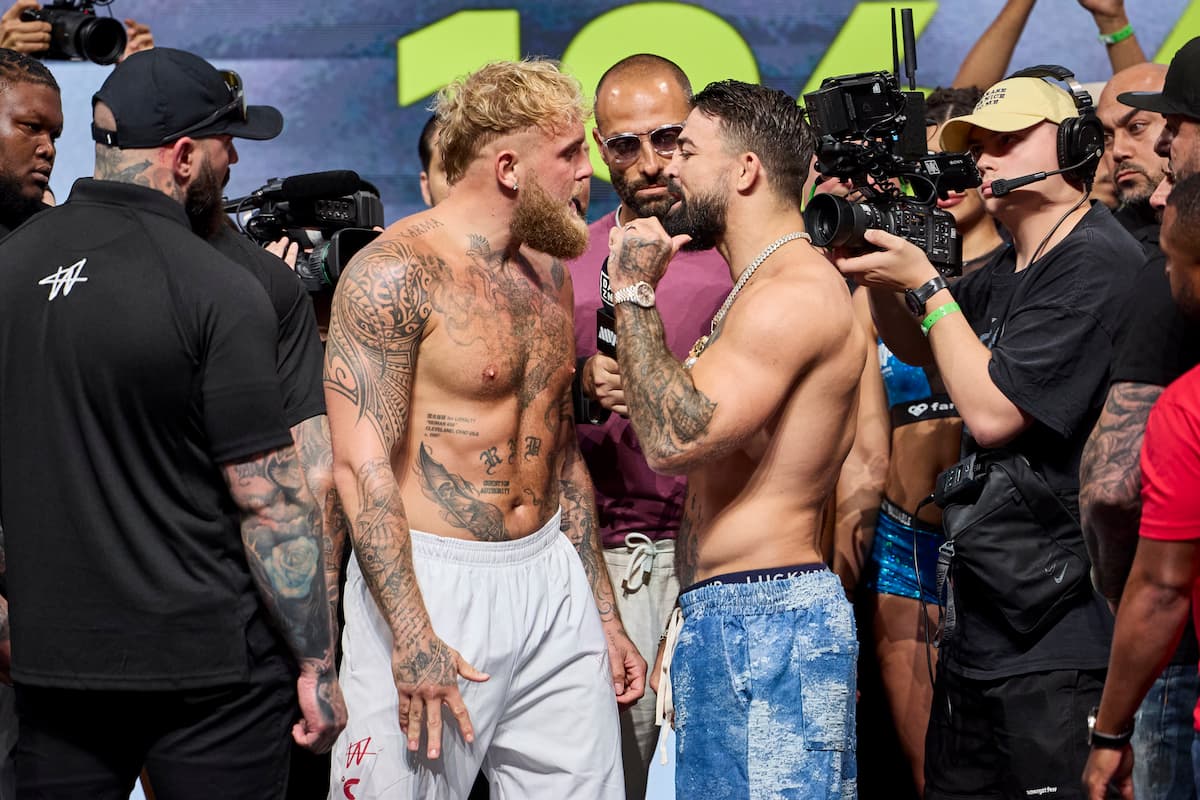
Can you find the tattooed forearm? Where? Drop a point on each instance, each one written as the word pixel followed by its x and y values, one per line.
pixel 281 531
pixel 457 500
pixel 1110 483
pixel 316 460
pixel 579 525
pixel 669 414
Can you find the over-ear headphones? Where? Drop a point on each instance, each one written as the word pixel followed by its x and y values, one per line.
pixel 1080 139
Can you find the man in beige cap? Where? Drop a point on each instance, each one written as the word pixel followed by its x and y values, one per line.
pixel 1024 347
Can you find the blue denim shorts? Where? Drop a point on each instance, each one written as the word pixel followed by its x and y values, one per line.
pixel 763 679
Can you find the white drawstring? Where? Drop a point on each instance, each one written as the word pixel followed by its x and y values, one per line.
pixel 664 704
pixel 641 561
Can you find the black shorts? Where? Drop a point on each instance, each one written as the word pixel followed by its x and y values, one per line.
pixel 1021 737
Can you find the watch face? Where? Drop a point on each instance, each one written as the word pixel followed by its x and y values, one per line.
pixel 915 305
pixel 645 294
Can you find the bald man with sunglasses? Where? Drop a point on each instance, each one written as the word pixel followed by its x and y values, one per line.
pixel 640 105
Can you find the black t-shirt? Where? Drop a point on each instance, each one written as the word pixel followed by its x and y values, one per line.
pixel 1157 344
pixel 1050 329
pixel 137 360
pixel 299 360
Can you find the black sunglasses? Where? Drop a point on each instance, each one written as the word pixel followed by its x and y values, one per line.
pixel 624 148
pixel 237 102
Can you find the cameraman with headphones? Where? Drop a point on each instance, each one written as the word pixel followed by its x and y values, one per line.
pixel 1024 346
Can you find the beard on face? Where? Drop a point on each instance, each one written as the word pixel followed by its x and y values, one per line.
pixel 15 205
pixel 1141 190
pixel 546 225
pixel 202 201
pixel 702 217
pixel 650 207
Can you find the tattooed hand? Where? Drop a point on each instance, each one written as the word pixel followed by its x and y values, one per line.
pixel 640 251
pixel 322 709
pixel 628 666
pixel 426 675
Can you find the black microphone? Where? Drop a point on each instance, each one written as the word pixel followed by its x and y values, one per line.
pixel 1002 186
pixel 313 186
pixel 606 316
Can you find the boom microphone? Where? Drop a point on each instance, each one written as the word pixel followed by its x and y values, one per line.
pixel 1002 186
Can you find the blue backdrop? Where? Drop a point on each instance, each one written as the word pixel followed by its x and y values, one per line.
pixel 354 78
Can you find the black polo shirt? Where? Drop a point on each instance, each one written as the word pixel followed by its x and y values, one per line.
pixel 299 357
pixel 137 360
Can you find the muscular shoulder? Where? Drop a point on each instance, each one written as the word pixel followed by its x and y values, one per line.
pixel 804 305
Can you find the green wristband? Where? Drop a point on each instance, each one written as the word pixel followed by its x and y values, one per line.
pixel 1118 35
pixel 939 312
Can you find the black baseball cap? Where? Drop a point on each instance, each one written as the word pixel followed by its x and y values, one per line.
pixel 1181 89
pixel 161 94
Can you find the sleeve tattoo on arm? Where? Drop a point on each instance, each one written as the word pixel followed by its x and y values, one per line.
pixel 665 407
pixel 1110 481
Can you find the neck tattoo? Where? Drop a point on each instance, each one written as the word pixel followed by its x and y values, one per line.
pixel 742 280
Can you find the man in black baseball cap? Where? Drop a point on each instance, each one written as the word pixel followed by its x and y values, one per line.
pixel 169 609
pixel 1179 103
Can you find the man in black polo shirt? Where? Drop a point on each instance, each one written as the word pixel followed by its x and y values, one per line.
pixel 156 518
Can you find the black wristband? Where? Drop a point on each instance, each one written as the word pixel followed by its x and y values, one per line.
pixel 1107 741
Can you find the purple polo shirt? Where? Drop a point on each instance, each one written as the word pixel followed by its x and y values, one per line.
pixel 630 497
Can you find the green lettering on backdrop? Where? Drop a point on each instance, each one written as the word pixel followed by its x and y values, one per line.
pixel 429 58
pixel 703 44
pixel 1186 28
pixel 864 44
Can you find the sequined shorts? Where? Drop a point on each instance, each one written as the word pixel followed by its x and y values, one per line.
pixel 904 547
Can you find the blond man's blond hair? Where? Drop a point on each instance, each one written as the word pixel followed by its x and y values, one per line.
pixel 500 98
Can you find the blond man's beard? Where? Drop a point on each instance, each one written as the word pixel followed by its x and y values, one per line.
pixel 546 225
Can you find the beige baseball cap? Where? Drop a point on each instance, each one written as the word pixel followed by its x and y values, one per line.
pixel 1011 105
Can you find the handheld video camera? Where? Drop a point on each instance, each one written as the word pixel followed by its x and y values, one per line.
pixel 871 132
pixel 77 34
pixel 329 214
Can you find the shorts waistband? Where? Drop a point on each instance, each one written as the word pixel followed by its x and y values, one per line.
pixel 797 589
pixel 464 551
pixel 758 575
pixel 902 517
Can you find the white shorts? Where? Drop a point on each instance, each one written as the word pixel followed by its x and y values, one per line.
pixel 546 721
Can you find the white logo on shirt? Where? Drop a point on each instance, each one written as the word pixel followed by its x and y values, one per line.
pixel 63 279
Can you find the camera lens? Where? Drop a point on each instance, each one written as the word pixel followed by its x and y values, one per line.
pixel 833 221
pixel 100 40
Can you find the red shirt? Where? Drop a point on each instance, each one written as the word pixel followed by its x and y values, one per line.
pixel 1171 472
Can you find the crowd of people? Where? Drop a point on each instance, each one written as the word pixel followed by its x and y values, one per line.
pixel 674 504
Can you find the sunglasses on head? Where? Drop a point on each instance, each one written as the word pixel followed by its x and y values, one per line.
pixel 237 103
pixel 624 148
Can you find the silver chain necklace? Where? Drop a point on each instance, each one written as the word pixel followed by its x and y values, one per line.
pixel 742 280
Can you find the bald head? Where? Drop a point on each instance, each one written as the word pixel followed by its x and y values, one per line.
pixel 642 73
pixel 1130 133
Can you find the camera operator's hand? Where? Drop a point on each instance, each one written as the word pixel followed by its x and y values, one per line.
pixel 284 249
pixel 137 38
pixel 898 264
pixel 24 37
pixel 602 382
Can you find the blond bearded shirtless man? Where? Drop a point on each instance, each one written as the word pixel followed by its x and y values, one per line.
pixel 760 421
pixel 448 376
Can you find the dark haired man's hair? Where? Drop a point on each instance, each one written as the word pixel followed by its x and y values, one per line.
pixel 766 122
pixel 425 143
pixel 946 103
pixel 645 64
pixel 1185 199
pixel 19 68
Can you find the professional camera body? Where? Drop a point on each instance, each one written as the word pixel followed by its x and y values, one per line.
pixel 77 34
pixel 871 132
pixel 329 214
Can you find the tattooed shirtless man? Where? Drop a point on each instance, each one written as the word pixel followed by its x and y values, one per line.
pixel 760 418
pixel 448 375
